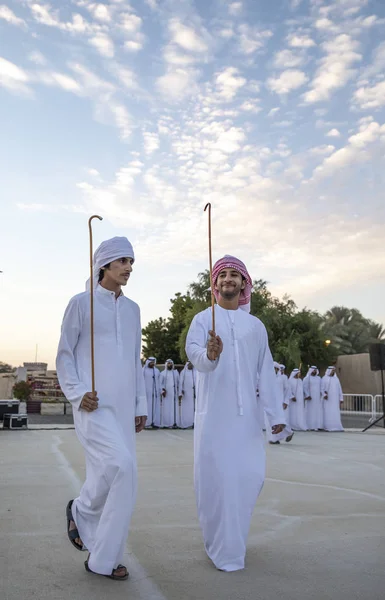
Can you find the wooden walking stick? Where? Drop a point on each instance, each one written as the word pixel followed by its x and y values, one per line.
pixel 208 205
pixel 92 300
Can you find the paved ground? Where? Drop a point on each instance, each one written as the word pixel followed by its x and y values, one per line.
pixel 318 531
pixel 348 421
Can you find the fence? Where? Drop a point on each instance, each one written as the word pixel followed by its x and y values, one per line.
pixel 364 405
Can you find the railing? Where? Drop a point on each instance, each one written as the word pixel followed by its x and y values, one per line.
pixel 377 406
pixel 358 404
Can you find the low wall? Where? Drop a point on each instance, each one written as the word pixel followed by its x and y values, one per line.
pixel 355 375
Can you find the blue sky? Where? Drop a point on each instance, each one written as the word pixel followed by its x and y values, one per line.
pixel 144 111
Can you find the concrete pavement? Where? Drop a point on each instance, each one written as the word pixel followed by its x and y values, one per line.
pixel 318 530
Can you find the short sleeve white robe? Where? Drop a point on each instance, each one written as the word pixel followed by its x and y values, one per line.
pixel 152 383
pixel 296 409
pixel 103 510
pixel 313 407
pixel 169 380
pixel 229 448
pixel 186 406
pixel 332 406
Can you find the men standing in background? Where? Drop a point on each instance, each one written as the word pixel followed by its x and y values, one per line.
pixel 332 399
pixel 169 382
pixel 151 379
pixel 287 433
pixel 312 393
pixel 186 397
pixel 296 402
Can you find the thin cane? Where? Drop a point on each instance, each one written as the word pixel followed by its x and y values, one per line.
pixel 92 300
pixel 211 268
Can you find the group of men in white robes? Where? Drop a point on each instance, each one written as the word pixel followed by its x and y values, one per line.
pixel 311 404
pixel 170 395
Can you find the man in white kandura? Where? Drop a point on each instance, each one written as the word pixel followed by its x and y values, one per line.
pixel 169 385
pixel 285 380
pixel 313 405
pixel 296 402
pixel 105 421
pixel 186 400
pixel 332 399
pixel 152 383
pixel 229 448
pixel 287 433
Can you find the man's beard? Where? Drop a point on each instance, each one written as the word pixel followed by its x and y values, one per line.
pixel 230 294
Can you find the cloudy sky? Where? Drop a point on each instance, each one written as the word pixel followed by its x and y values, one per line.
pixel 143 111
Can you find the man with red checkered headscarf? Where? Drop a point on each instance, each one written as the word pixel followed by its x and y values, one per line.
pixel 229 450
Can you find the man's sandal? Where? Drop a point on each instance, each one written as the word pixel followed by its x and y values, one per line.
pixel 112 576
pixel 73 534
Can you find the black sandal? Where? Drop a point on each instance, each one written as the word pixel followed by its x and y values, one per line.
pixel 73 534
pixel 112 576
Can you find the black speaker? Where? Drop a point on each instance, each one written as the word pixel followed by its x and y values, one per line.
pixel 377 357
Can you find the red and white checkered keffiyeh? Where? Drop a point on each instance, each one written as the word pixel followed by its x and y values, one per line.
pixel 230 262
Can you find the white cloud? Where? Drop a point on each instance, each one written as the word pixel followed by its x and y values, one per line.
pixel 322 150
pixel 355 150
pixel 60 80
pixel 103 44
pixel 326 25
pixel 370 97
pixel 273 111
pixel 126 76
pixel 173 56
pixel 42 14
pixel 300 41
pixel 235 8
pixel 289 80
pixel 252 38
pixel 186 37
pixel 177 83
pixel 122 119
pixel 377 65
pixel 333 133
pixel 37 57
pixel 335 68
pixel 286 59
pixel 130 24
pixel 8 15
pixel 150 142
pixel 100 12
pixel 93 172
pixel 13 78
pixel 251 106
pixel 228 82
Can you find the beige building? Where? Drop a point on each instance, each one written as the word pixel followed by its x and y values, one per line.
pixel 355 375
pixel 7 381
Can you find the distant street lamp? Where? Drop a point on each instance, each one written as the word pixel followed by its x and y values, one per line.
pixel 327 343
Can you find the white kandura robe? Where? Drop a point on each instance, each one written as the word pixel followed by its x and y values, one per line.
pixel 169 380
pixel 103 510
pixel 278 437
pixel 186 406
pixel 229 448
pixel 152 383
pixel 296 409
pixel 332 406
pixel 313 407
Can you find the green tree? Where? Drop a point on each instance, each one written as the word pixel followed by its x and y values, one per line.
pixel 6 368
pixel 22 390
pixel 349 331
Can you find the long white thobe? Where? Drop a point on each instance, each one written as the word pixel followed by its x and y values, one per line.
pixel 313 407
pixel 152 383
pixel 332 406
pixel 186 406
pixel 278 437
pixel 169 381
pixel 103 510
pixel 229 449
pixel 296 408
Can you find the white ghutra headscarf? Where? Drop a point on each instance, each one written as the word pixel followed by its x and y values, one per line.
pixel 107 252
